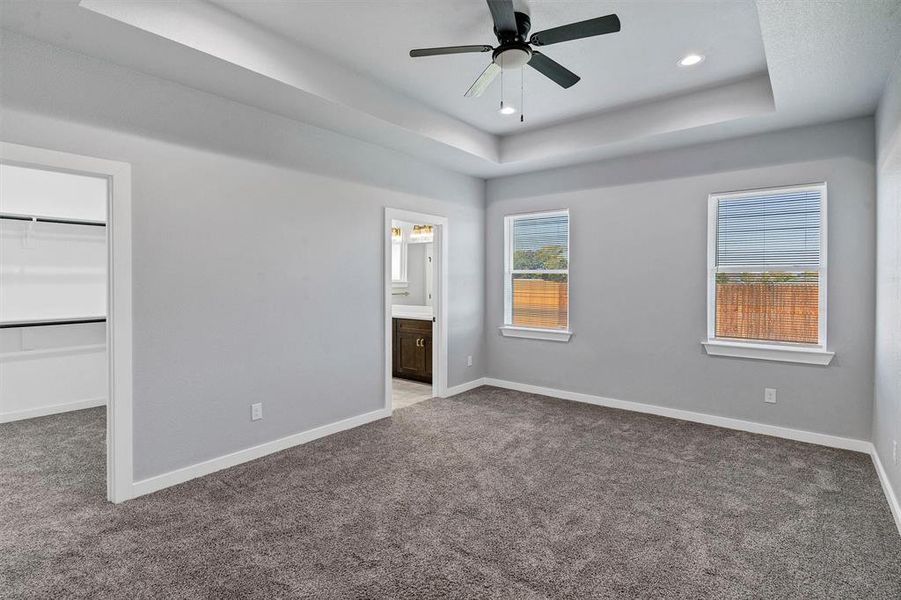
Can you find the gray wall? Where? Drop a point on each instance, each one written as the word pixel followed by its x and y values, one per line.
pixel 638 279
pixel 242 293
pixel 887 398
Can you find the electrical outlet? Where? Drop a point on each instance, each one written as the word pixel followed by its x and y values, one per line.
pixel 769 395
pixel 469 361
pixel 256 411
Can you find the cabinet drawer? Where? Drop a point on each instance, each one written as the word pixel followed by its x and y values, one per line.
pixel 413 326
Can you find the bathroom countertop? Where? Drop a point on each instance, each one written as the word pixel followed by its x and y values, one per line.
pixel 411 311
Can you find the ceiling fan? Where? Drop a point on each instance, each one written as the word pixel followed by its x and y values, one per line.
pixel 514 50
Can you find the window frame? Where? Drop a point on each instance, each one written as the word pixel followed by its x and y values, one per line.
pixel 767 349
pixel 402 246
pixel 539 333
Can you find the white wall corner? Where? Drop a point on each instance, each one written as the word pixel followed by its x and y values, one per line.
pixel 890 495
pixel 464 387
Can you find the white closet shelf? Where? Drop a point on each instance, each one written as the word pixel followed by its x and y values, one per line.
pixel 48 322
pixel 60 220
pixel 48 352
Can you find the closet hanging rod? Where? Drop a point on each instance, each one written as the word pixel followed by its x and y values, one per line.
pixel 14 217
pixel 48 322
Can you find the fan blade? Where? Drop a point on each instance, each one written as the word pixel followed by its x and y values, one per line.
pixel 553 70
pixel 449 50
pixel 575 31
pixel 503 16
pixel 481 84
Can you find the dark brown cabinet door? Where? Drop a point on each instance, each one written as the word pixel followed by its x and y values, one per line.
pixel 411 355
pixel 412 349
pixel 427 347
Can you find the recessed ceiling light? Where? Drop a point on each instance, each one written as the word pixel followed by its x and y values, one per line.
pixel 506 110
pixel 690 60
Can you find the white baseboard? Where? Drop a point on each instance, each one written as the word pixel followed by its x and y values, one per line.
pixel 887 488
pixel 159 482
pixel 464 387
pixel 182 475
pixel 53 409
pixel 687 415
pixel 800 435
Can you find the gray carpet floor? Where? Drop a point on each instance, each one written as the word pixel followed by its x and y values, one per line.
pixel 490 494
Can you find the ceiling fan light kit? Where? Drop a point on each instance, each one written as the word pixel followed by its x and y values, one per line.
pixel 515 50
pixel 512 56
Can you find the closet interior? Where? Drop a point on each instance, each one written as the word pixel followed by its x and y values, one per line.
pixel 53 292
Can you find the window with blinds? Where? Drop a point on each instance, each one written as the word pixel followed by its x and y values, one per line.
pixel 536 282
pixel 398 256
pixel 767 266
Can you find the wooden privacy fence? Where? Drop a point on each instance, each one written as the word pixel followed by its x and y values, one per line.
pixel 540 303
pixel 780 311
pixel 784 312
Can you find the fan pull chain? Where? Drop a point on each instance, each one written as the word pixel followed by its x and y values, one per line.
pixel 522 96
pixel 502 83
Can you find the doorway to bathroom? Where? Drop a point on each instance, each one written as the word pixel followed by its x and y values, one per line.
pixel 415 301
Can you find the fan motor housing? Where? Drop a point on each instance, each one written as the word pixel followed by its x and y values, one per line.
pixel 523 24
pixel 512 55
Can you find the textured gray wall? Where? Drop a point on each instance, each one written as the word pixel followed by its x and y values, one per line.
pixel 887 398
pixel 242 291
pixel 639 251
pixel 241 295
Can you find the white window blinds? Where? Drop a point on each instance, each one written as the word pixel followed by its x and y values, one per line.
pixel 537 271
pixel 778 229
pixel 769 280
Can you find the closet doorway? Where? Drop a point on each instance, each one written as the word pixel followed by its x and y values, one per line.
pixel 415 307
pixel 65 321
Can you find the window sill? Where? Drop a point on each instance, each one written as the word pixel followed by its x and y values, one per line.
pixel 552 335
pixel 794 354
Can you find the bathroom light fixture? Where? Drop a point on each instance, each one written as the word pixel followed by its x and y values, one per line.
pixel 421 233
pixel 690 60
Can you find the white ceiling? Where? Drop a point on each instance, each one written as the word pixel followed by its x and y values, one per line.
pixel 634 65
pixel 770 65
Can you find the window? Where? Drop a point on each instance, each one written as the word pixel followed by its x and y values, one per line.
pixel 536 277
pixel 398 257
pixel 402 235
pixel 767 274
